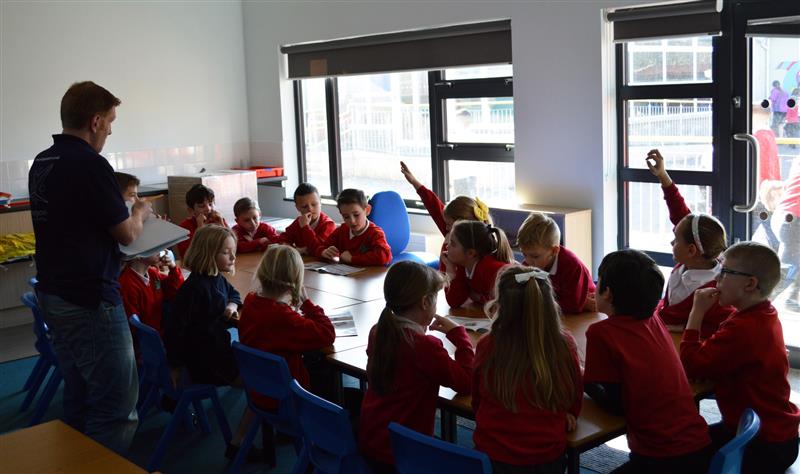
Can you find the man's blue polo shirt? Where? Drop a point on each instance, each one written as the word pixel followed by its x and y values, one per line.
pixel 75 201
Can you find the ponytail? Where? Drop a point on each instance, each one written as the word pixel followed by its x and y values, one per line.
pixel 485 239
pixel 503 252
pixel 383 360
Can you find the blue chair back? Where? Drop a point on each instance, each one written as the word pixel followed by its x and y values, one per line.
pixel 327 434
pixel 154 357
pixel 420 454
pixel 39 326
pixel 390 214
pixel 728 460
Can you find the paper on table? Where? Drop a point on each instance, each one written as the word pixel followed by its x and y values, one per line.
pixel 332 268
pixel 157 234
pixel 480 325
pixel 343 324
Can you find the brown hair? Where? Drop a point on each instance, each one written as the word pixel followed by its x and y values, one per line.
pixel 486 239
pixel 463 208
pixel 405 285
pixel 281 270
pixel 124 180
pixel 202 252
pixel 352 196
pixel 197 194
pixel 711 232
pixel 530 349
pixel 538 229
pixel 758 260
pixel 243 205
pixel 84 100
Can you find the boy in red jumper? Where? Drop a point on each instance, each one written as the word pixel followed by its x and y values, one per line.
pixel 538 239
pixel 746 357
pixel 200 201
pixel 357 240
pixel 145 287
pixel 252 235
pixel 312 226
pixel 632 369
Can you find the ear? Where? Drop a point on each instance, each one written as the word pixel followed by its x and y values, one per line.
pixel 472 253
pixel 751 285
pixel 367 209
pixel 94 124
pixel 555 249
pixel 425 303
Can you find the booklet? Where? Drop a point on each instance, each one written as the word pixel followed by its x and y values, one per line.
pixel 343 324
pixel 157 234
pixel 332 268
pixel 479 325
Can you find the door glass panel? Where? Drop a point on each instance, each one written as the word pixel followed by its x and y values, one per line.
pixel 493 183
pixel 480 120
pixel 668 61
pixel 775 79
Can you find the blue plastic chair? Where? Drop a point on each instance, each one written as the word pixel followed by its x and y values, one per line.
pixel 420 454
pixel 47 360
pixel 327 435
pixel 390 214
pixel 728 460
pixel 268 375
pixel 156 379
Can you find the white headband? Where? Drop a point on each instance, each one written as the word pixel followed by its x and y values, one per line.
pixel 535 273
pixel 696 233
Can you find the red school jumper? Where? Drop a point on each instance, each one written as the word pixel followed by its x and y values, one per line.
pixel 369 248
pixel 306 237
pixel 275 327
pixel 572 282
pixel 421 368
pixel 678 314
pixel 532 435
pixel 146 301
pixel 480 287
pixel 658 403
pixel 746 358
pixel 245 243
pixel 435 208
pixel 191 225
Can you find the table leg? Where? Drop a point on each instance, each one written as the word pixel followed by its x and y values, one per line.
pixel 449 430
pixel 573 461
pixel 338 389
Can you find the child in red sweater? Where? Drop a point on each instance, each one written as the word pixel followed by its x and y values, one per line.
pixel 252 235
pixel 699 240
pixel 280 318
pixel 538 239
pixel 200 201
pixel 459 208
pixel 632 369
pixel 475 253
pixel 406 366
pixel 357 240
pixel 312 226
pixel 145 286
pixel 527 387
pixel 746 357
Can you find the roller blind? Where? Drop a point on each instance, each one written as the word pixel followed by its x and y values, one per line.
pixel 667 20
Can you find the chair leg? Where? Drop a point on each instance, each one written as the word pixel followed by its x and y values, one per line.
pixel 47 396
pixel 149 401
pixel 34 373
pixel 200 410
pixel 161 447
pixel 222 420
pixel 301 465
pixel 247 443
pixel 34 389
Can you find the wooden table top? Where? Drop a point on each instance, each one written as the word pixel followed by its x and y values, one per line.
pixel 55 447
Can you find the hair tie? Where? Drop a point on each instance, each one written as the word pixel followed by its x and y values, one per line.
pixel 480 210
pixel 536 273
pixel 696 233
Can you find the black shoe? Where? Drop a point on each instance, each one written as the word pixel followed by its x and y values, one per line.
pixel 254 455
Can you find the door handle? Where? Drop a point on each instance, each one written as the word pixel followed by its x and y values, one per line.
pixel 752 171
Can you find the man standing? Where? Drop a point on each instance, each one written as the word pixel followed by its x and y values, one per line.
pixel 79 218
pixel 777 100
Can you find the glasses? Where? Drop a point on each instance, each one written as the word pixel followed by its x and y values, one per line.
pixel 727 271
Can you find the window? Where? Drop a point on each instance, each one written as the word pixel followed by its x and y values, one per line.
pixel 447 125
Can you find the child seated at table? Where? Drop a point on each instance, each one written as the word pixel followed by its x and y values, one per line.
pixel 699 240
pixel 128 186
pixel 538 239
pixel 746 357
pixel 405 366
pixel 312 226
pixel 200 202
pixel 459 208
pixel 252 235
pixel 280 318
pixel 632 369
pixel 358 240
pixel 475 254
pixel 146 283
pixel 527 388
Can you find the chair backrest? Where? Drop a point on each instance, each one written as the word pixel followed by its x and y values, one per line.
pixel 327 433
pixel 420 454
pixel 728 460
pixel 390 214
pixel 154 357
pixel 43 343
pixel 268 374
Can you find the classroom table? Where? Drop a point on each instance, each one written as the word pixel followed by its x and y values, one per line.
pixel 56 447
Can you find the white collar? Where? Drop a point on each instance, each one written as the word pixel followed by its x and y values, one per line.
pixel 352 235
pixel 145 278
pixel 471 271
pixel 554 268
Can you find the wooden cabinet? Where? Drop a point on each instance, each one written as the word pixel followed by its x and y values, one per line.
pixel 228 187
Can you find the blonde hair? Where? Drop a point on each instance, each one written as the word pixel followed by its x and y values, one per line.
pixel 464 208
pixel 281 270
pixel 530 349
pixel 538 229
pixel 405 285
pixel 711 232
pixel 758 260
pixel 201 257
pixel 484 238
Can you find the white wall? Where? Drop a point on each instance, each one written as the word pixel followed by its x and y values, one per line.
pixel 177 66
pixel 559 91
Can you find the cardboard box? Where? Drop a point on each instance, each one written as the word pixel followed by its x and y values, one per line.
pixel 228 187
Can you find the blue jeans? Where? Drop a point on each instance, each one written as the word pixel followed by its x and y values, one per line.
pixel 95 354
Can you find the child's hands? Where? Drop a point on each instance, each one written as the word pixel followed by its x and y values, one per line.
pixel 591 303
pixel 303 250
pixel 231 312
pixel 166 261
pixel 303 294
pixel 201 220
pixel 304 219
pixel 263 242
pixel 215 218
pixel 572 422
pixel 704 299
pixel 409 175
pixel 346 257
pixel 449 266
pixel 442 324
pixel 655 162
pixel 143 208
pixel 330 253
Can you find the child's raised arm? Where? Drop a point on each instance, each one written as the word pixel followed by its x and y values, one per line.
pixel 409 176
pixel 655 162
